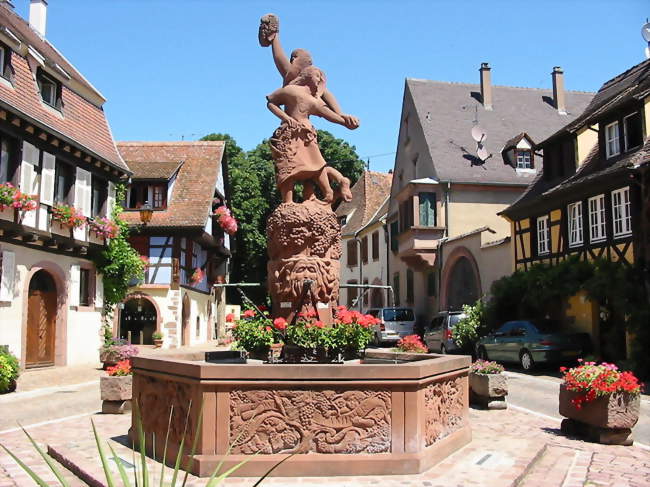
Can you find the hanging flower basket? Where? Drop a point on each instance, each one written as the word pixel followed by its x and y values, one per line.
pixel 68 216
pixel 197 276
pixel 226 221
pixel 12 197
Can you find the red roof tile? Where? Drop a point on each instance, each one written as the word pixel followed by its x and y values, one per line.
pixel 368 195
pixel 191 199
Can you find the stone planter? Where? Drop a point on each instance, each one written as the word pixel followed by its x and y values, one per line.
pixel 116 393
pixel 488 390
pixel 608 419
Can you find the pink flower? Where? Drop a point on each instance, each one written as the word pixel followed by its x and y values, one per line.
pixel 230 317
pixel 319 324
pixel 249 313
pixel 280 324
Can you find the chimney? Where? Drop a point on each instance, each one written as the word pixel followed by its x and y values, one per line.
pixel 38 16
pixel 486 86
pixel 559 99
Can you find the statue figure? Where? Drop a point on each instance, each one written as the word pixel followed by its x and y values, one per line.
pixel 294 144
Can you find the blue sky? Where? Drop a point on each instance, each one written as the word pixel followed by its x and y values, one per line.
pixel 184 68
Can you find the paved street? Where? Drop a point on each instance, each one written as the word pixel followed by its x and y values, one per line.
pixel 540 394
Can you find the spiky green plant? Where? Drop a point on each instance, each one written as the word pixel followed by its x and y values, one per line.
pixel 141 477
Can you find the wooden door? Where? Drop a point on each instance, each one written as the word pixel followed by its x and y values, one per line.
pixel 41 325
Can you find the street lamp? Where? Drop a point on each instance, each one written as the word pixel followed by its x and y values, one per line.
pixel 146 212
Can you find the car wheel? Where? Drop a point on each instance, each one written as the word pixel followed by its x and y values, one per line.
pixel 443 350
pixel 482 354
pixel 526 359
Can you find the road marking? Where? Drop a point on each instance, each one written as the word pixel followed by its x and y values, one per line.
pixel 51 421
pixel 44 391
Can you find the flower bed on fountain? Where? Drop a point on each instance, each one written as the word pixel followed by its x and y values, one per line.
pixel 387 413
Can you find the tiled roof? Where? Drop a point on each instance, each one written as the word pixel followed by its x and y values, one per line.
pixel 191 199
pixel 446 112
pixel 154 169
pixel 631 84
pixel 368 194
pixel 82 122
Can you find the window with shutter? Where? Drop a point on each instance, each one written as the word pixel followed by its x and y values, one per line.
pixel 47 179
pixel 375 245
pixel 84 287
pixel 4 161
pixel 427 209
pixel 64 181
pixel 28 175
pixel 7 279
pixel 82 192
pixel 99 196
pixel 110 199
pixel 352 253
pixel 396 290
pixel 99 290
pixel 364 250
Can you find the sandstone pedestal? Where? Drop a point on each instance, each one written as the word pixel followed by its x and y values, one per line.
pixel 488 391
pixel 304 244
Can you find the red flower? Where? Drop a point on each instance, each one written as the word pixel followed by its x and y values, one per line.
pixel 230 317
pixel 319 324
pixel 268 328
pixel 249 313
pixel 280 324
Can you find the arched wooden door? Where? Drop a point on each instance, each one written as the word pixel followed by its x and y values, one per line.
pixel 462 288
pixel 41 320
pixel 185 321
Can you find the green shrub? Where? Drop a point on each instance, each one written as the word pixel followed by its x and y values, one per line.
pixel 469 329
pixel 9 369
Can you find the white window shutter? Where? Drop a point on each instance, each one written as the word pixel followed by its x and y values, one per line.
pixel 28 179
pixel 110 200
pixel 88 196
pixel 82 181
pixel 7 280
pixel 99 290
pixel 75 272
pixel 47 179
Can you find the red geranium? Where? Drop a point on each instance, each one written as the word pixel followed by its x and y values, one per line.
pixel 592 381
pixel 249 313
pixel 413 344
pixel 230 317
pixel 280 324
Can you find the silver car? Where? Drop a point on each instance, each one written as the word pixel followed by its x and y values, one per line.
pixel 395 323
pixel 438 335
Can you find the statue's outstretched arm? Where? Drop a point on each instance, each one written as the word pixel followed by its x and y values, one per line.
pixel 350 121
pixel 329 114
pixel 281 60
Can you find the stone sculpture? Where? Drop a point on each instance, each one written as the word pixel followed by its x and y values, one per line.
pixel 304 237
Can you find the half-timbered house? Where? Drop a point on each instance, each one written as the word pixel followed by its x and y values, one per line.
pixel 185 247
pixel 587 201
pixel 58 171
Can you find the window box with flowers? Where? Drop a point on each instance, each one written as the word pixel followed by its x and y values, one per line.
pixel 197 276
pixel 488 385
pixel 226 221
pixel 600 402
pixel 12 200
pixel 116 388
pixel 103 228
pixel 67 217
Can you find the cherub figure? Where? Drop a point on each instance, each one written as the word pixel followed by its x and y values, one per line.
pixel 294 145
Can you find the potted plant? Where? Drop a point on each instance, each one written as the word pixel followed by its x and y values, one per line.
pixel 68 216
pixel 12 199
pixel 157 337
pixel 488 385
pixel 116 350
pixel 255 334
pixel 600 402
pixel 103 227
pixel 226 221
pixel 116 388
pixel 9 371
pixel 197 276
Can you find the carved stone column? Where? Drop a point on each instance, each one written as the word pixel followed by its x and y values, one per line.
pixel 304 243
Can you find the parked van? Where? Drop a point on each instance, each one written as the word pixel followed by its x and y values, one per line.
pixel 395 323
pixel 438 335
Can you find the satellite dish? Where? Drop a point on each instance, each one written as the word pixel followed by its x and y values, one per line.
pixel 645 31
pixel 482 153
pixel 478 134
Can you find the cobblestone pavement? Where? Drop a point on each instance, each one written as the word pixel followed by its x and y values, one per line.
pixel 509 448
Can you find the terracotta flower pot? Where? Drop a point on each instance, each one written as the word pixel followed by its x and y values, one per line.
pixel 157 342
pixel 618 410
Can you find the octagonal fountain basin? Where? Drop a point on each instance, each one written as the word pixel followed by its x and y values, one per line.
pixel 390 413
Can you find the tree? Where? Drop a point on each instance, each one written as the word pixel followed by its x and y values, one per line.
pixel 253 196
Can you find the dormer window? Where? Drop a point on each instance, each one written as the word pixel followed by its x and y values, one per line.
pixel 140 193
pixel 50 90
pixel 5 62
pixel 612 143
pixel 632 131
pixel 524 159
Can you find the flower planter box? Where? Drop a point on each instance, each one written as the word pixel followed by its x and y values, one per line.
pixel 59 229
pixel 608 419
pixel 116 393
pixel 488 390
pixel 96 239
pixel 7 214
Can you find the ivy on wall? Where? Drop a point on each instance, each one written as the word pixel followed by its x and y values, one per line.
pixel 542 291
pixel 119 264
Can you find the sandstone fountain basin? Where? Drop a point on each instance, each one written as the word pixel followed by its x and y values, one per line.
pixel 390 413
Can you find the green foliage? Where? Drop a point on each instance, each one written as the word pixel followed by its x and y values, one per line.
pixel 469 329
pixel 253 195
pixel 9 369
pixel 541 292
pixel 255 334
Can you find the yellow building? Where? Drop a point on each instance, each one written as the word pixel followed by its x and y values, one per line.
pixel 587 201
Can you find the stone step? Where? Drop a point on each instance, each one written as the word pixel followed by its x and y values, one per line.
pixel 555 466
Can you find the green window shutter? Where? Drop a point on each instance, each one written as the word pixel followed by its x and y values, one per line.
pixel 394 230
pixel 427 209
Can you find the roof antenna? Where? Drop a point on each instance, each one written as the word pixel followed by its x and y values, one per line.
pixel 645 33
